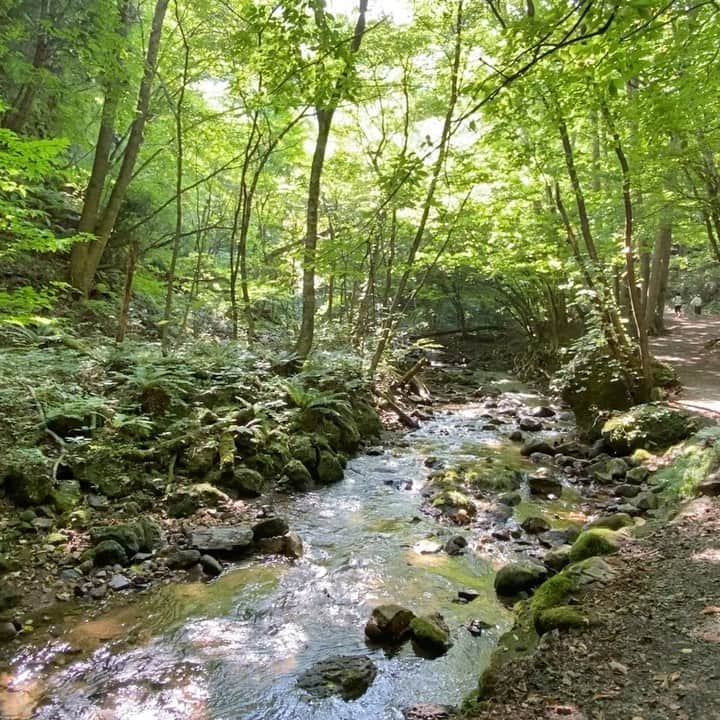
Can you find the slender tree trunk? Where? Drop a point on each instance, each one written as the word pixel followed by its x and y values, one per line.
pixel 179 158
pixel 324 120
pixel 655 304
pixel 127 293
pixel 638 315
pixel 390 320
pixel 84 262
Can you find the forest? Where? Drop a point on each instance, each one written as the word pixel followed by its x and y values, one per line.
pixel 319 310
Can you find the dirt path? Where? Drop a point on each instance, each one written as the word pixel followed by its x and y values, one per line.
pixel 654 652
pixel 686 348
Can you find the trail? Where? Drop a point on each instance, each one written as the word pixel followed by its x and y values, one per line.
pixel 687 346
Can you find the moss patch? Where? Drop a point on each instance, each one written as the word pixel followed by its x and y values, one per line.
pixel 652 425
pixel 562 617
pixel 597 541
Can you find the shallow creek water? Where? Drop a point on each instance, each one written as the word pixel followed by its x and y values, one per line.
pixel 233 648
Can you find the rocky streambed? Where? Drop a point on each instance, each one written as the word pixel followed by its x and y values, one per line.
pixel 424 524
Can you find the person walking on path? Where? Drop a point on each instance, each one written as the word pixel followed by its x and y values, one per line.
pixel 696 304
pixel 677 302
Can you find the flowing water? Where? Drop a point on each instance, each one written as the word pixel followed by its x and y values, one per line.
pixel 233 648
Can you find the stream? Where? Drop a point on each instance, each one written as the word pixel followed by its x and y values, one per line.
pixel 233 648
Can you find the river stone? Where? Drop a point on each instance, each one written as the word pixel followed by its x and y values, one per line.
pixel 185 501
pixel 177 559
pixel 270 527
pixel 244 481
pixel 519 577
pixel 573 449
pixel 429 712
pixel 329 469
pixel 388 623
pixel 293 545
pixel 298 475
pixel 542 411
pixel 516 436
pixel 119 582
pixel 557 558
pixel 637 475
pixel 537 446
pixel 646 501
pixel 225 540
pixel 530 424
pixel 455 545
pixel 538 458
pixel 543 482
pixel 431 635
pixel 109 552
pixel 7 631
pixel 626 490
pixel 511 499
pixel 535 525
pixel 344 675
pixel 210 565
pixel 598 541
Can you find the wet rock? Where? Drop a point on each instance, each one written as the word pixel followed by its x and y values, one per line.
pixel 223 540
pixel 538 458
pixel 271 545
pixel 345 675
pixel 573 449
pixel 293 545
pixel 468 594
pixel 99 592
pixel 477 627
pixel 178 559
pixel 519 577
pixel 109 552
pixel 375 451
pixel 553 538
pixel 298 475
pixel 451 502
pixel 427 547
pixel 646 501
pixel 210 565
pixel 535 525
pixel 429 712
pixel 430 461
pixel 543 411
pixel 431 635
pixel 455 545
pixel 516 436
pixel 543 482
pixel 530 424
pixel 271 527
pixel 557 558
pixel 537 446
pixel 119 582
pixel 389 624
pixel 7 631
pixel 598 541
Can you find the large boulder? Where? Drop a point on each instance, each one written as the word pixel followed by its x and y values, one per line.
pixel 66 496
pixel 229 541
pixel 388 623
pixel 244 481
pixel 519 577
pixel 298 475
pixel 270 527
pixel 544 482
pixel 142 535
pixel 27 477
pixel 430 635
pixel 348 676
pixel 651 426
pixel 109 552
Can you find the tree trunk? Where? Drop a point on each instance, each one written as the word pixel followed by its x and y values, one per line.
pixel 655 304
pixel 324 120
pixel 85 260
pixel 127 294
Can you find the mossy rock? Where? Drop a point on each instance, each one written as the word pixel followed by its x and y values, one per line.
pixel 652 426
pixel 329 468
pixel 593 382
pixel 9 598
pixel 562 617
pixel 302 448
pixel 245 481
pixel 594 542
pixel 616 521
pixel 519 577
pixel 142 535
pixel 298 475
pixel 449 502
pixel 431 634
pixel 109 552
pixel 367 420
pixel 27 477
pixel 551 593
pixel 67 496
pixel 199 460
pixel 664 375
pixel 186 500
